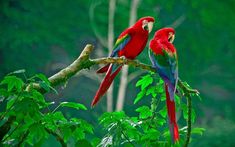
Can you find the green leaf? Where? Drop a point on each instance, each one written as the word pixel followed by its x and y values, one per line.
pixel 86 126
pixel 151 134
pixel 38 132
pixel 67 133
pixel 145 81
pixel 110 118
pixel 95 141
pixel 159 88
pixel 28 120
pixel 43 78
pixel 79 133
pixel 139 96
pixel 177 99
pixel 77 106
pixel 12 82
pixel 131 132
pixel 144 111
pixel 44 85
pixel 3 92
pixel 38 96
pixel 152 91
pixel 198 131
pixel 163 112
pixel 58 116
pixel 185 111
pixel 161 81
pixel 160 121
pixel 163 97
pixel 83 143
pixel 10 102
pixel 44 82
pixel 139 83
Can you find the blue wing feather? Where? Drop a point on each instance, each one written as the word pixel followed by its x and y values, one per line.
pixel 120 44
pixel 169 73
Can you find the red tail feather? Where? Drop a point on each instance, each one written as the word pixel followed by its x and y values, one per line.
pixel 103 69
pixel 105 84
pixel 171 116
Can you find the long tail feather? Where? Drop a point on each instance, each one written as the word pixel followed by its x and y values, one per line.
pixel 103 69
pixel 171 113
pixel 105 84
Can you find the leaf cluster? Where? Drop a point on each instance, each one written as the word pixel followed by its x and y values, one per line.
pixel 149 127
pixel 34 118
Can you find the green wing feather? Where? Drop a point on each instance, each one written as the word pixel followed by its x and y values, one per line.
pixel 166 64
pixel 120 44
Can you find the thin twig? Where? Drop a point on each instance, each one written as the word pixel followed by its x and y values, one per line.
pixel 127 138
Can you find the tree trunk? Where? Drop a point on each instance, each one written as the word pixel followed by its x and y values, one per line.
pixel 124 76
pixel 112 4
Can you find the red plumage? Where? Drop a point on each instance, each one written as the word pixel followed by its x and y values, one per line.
pixel 105 84
pixel 164 58
pixel 103 69
pixel 171 115
pixel 129 44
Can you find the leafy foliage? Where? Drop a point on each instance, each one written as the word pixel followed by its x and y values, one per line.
pixel 150 127
pixel 34 119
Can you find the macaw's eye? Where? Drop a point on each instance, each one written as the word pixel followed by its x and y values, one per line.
pixel 146 27
pixel 171 37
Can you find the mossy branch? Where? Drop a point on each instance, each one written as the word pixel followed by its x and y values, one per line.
pixel 84 62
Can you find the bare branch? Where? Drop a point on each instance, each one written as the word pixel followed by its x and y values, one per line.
pixel 101 39
pixel 84 62
pixel 178 21
pixel 89 74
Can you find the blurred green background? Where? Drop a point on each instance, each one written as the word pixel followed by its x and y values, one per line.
pixel 46 36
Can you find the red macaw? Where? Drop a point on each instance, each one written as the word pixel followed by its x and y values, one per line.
pixel 129 44
pixel 163 56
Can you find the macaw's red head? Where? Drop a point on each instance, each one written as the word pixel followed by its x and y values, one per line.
pixel 165 34
pixel 145 24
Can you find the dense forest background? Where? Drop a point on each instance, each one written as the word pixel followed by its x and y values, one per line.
pixel 45 36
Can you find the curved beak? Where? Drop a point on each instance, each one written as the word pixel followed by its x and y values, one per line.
pixel 171 38
pixel 150 26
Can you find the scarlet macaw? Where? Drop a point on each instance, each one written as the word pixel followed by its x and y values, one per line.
pixel 163 56
pixel 129 44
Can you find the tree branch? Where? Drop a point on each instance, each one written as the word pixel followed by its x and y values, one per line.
pixel 189 122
